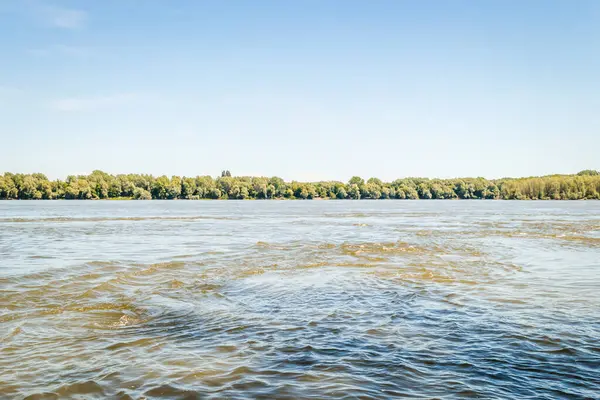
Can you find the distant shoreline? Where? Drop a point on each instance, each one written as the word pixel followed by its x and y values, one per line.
pixel 102 186
pixel 293 199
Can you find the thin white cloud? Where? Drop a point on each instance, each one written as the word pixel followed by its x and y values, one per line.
pixel 66 18
pixel 58 17
pixel 119 100
pixel 61 49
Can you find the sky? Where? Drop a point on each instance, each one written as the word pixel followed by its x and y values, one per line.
pixel 304 90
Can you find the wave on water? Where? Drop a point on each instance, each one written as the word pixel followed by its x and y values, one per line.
pixel 108 219
pixel 261 308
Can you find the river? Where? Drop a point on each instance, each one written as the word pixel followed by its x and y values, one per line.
pixel 300 299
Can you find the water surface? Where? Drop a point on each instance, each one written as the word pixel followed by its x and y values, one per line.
pixel 300 299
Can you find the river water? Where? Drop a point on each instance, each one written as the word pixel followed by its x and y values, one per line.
pixel 299 299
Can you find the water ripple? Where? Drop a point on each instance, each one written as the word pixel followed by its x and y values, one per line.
pixel 368 302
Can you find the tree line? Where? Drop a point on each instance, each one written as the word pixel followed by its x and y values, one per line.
pixel 100 185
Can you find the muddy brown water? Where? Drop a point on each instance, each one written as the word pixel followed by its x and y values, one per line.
pixel 299 299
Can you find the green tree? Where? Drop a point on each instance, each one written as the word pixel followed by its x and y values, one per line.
pixel 356 180
pixel 100 185
pixel 141 194
pixel 160 188
pixel 588 172
pixel 174 188
pixel 188 188
pixel 354 191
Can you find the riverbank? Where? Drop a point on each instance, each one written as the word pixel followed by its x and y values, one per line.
pixel 100 185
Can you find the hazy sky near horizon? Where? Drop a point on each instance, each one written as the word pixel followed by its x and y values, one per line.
pixel 306 90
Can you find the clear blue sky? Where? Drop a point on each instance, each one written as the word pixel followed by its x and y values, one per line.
pixel 306 90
